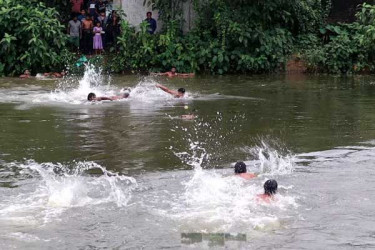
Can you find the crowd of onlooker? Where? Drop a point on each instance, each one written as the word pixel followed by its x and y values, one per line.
pixel 94 28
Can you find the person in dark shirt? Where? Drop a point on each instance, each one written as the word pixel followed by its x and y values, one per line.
pixel 151 23
pixel 113 28
pixel 82 15
pixel 92 9
pixel 101 6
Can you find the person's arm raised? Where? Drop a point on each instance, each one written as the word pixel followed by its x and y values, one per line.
pixel 165 89
pixel 186 74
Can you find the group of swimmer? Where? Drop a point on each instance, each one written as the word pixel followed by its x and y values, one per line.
pixel 177 94
pixel 270 186
pixel 48 75
pixel 171 73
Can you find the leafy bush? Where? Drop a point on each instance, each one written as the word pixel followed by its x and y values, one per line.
pixel 30 37
pixel 343 48
pixel 228 38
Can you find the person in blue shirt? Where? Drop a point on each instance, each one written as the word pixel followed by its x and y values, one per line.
pixel 151 22
pixel 82 15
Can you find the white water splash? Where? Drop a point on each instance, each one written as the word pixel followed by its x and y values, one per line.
pixel 218 201
pixel 269 161
pixel 74 91
pixel 67 90
pixel 45 190
pixel 147 92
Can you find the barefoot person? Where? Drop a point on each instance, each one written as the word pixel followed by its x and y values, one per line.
pixel 241 171
pixel 92 97
pixel 270 189
pixel 178 94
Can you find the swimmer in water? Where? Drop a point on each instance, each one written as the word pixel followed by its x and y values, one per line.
pixel 173 73
pixel 241 171
pixel 270 189
pixel 92 97
pixel 189 116
pixel 178 94
pixel 26 74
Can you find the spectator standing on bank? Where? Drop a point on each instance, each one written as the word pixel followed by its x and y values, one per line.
pixel 87 27
pixel 85 4
pixel 113 28
pixel 75 32
pixel 151 23
pixel 98 44
pixel 82 15
pixel 77 6
pixel 103 23
pixel 92 9
pixel 101 6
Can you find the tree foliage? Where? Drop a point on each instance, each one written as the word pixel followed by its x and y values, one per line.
pixel 343 48
pixel 31 37
pixel 229 36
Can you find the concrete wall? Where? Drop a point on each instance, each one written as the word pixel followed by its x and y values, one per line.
pixel 136 13
pixel 189 16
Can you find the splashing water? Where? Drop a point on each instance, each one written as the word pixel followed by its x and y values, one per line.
pixel 74 91
pixel 147 92
pixel 45 190
pixel 69 90
pixel 213 201
pixel 217 200
pixel 92 81
pixel 269 161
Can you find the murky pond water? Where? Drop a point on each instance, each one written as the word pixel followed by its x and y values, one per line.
pixel 133 174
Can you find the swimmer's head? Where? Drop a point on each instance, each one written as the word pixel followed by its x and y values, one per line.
pixel 270 187
pixel 240 168
pixel 173 69
pixel 91 97
pixel 181 92
pixel 125 92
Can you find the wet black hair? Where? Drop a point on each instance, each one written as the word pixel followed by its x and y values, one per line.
pixel 270 187
pixel 149 12
pixel 181 90
pixel 240 167
pixel 91 95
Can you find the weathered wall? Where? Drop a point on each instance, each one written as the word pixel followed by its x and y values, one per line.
pixel 189 16
pixel 136 13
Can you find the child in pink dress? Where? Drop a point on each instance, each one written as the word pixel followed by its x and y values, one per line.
pixel 98 44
